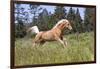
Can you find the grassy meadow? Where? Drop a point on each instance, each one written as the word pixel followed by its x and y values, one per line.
pixel 79 49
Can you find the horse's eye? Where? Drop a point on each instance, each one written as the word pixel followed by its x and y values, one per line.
pixel 68 24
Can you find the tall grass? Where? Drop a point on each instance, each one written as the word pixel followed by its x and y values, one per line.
pixel 79 49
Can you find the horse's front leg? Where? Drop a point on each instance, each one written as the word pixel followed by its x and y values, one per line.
pixel 61 41
pixel 64 40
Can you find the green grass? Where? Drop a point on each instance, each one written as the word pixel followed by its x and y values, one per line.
pixel 79 49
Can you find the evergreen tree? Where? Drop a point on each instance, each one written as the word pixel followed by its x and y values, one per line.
pixel 71 17
pixel 19 25
pixel 52 21
pixel 34 10
pixel 89 19
pixel 20 30
pixel 60 13
pixel 43 20
pixel 78 22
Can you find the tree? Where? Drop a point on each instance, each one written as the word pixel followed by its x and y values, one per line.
pixel 78 22
pixel 60 13
pixel 20 29
pixel 21 14
pixel 17 12
pixel 43 20
pixel 71 17
pixel 34 9
pixel 51 21
pixel 19 18
pixel 89 19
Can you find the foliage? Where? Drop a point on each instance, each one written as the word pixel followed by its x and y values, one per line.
pixel 60 13
pixel 78 22
pixel 89 19
pixel 71 17
pixel 43 20
pixel 20 30
pixel 34 9
pixel 21 17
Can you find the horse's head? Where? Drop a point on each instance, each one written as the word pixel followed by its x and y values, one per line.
pixel 65 24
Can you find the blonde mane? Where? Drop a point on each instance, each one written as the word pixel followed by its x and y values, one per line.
pixel 59 22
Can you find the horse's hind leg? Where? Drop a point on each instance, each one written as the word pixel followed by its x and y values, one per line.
pixel 36 41
pixel 34 44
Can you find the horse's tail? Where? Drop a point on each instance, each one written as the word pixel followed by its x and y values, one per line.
pixel 33 30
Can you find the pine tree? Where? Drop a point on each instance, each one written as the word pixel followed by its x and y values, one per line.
pixel 20 29
pixel 60 13
pixel 19 25
pixel 71 17
pixel 52 21
pixel 34 10
pixel 78 22
pixel 89 19
pixel 43 19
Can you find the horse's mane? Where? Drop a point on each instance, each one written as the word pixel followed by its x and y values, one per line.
pixel 59 22
pixel 34 29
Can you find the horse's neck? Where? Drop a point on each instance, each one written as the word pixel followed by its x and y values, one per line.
pixel 61 27
pixel 57 30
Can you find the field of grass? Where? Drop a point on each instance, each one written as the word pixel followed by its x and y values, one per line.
pixel 79 49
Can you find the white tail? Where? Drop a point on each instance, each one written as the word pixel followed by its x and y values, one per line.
pixel 33 30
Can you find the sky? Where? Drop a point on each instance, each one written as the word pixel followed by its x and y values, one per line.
pixel 50 8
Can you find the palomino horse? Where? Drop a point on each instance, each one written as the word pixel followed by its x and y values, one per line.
pixel 55 34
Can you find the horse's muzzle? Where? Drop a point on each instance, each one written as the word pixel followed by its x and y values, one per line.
pixel 70 28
